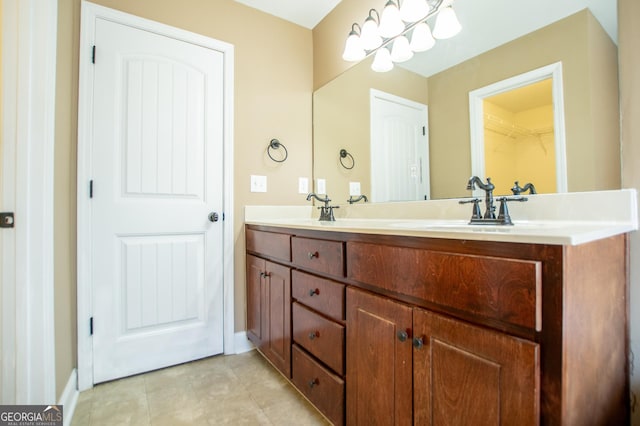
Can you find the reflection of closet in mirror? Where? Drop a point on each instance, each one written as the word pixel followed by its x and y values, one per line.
pixel 399 148
pixel 519 143
pixel 517 131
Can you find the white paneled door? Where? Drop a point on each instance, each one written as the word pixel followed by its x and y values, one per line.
pixel 157 163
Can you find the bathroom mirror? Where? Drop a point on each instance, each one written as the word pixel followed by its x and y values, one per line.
pixel 583 41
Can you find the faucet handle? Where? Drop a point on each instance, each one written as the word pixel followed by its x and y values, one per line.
pixel 503 213
pixel 476 213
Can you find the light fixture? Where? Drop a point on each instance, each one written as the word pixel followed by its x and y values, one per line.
pixel 390 23
pixel 382 61
pixel 370 36
pixel 379 34
pixel 401 51
pixel 353 50
pixel 421 39
pixel 413 10
pixel 447 24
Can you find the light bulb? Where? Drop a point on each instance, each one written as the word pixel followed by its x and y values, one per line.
pixel 382 61
pixel 369 36
pixel 390 23
pixel 447 24
pixel 401 51
pixel 413 10
pixel 353 50
pixel 421 39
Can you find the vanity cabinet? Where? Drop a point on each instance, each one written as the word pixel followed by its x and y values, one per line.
pixel 414 330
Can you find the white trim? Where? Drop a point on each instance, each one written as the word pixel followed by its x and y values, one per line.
pixel 69 397
pixel 29 81
pixel 476 116
pixel 242 343
pixel 91 12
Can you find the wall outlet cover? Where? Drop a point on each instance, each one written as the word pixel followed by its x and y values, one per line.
pixel 321 186
pixel 258 183
pixel 354 189
pixel 303 185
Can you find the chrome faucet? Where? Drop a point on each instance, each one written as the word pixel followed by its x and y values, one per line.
pixel 326 211
pixel 352 200
pixel 488 188
pixel 517 189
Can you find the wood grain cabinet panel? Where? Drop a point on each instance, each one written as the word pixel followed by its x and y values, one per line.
pixel 324 389
pixel 270 244
pixel 321 337
pixel 507 290
pixel 318 293
pixel 323 256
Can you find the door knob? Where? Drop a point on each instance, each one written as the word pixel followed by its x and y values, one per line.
pixel 213 217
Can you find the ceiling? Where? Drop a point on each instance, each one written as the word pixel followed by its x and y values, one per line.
pixel 485 24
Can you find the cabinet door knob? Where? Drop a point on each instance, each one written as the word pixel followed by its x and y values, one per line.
pixel 403 335
pixel 418 342
pixel 265 274
pixel 313 292
pixel 312 255
pixel 313 383
pixel 314 334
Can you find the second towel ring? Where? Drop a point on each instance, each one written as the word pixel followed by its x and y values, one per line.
pixel 345 154
pixel 276 144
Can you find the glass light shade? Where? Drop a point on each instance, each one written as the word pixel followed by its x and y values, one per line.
pixel 382 61
pixel 390 23
pixel 447 24
pixel 369 37
pixel 421 39
pixel 401 51
pixel 413 10
pixel 353 50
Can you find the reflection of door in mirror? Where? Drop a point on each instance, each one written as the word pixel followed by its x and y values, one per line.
pixel 399 149
pixel 518 131
pixel 519 141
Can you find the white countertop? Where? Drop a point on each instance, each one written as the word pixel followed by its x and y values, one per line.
pixel 562 219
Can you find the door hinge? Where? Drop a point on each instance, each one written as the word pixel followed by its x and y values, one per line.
pixel 424 131
pixel 93 54
pixel 91 188
pixel 6 220
pixel 91 326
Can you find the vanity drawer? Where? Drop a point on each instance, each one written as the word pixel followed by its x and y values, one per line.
pixel 503 289
pixel 321 337
pixel 323 388
pixel 320 255
pixel 318 293
pixel 269 244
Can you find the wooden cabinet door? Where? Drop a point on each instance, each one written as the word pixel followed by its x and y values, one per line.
pixel 255 311
pixel 379 376
pixel 465 374
pixel 277 316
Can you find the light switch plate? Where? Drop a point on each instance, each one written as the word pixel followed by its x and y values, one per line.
pixel 258 183
pixel 321 186
pixel 303 185
pixel 354 188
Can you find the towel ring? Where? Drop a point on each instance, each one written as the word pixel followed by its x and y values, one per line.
pixel 345 154
pixel 276 144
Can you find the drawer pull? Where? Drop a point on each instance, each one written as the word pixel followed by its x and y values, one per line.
pixel 313 383
pixel 314 334
pixel 312 255
pixel 418 342
pixel 403 335
pixel 313 292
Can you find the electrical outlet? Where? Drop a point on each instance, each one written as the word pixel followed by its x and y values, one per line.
pixel 354 189
pixel 258 183
pixel 303 185
pixel 321 186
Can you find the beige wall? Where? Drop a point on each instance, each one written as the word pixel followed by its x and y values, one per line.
pixel 344 124
pixel 590 94
pixel 273 89
pixel 629 42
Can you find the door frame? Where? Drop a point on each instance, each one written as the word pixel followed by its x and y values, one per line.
pixel 91 12
pixel 29 42
pixel 476 118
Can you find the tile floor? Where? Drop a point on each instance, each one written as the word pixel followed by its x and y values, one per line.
pixel 237 389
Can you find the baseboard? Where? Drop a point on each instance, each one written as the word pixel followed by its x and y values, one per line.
pixel 242 344
pixel 69 397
